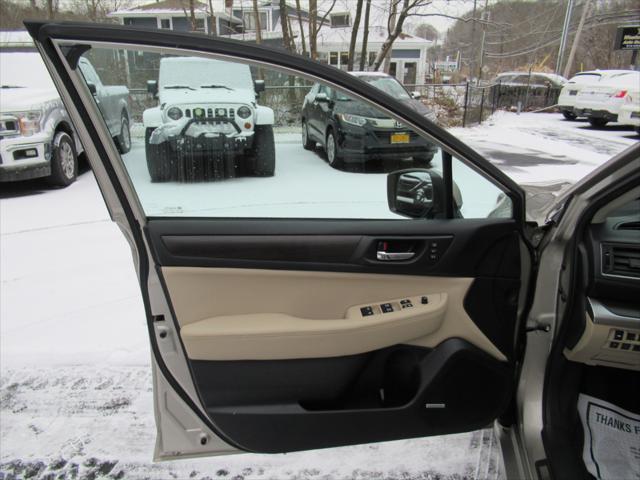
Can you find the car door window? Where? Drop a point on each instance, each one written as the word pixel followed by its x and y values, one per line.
pixel 212 143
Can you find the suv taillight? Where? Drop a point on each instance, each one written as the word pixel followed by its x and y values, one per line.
pixel 620 94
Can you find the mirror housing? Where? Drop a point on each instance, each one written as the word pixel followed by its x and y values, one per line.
pixel 259 86
pixel 321 98
pixel 416 94
pixel 152 87
pixel 92 88
pixel 416 193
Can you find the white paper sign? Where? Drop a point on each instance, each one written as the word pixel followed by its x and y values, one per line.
pixel 611 439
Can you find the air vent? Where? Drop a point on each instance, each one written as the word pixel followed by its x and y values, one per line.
pixel 628 226
pixel 621 260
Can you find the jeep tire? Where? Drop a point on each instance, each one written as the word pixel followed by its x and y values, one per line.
pixel 158 158
pixel 123 139
pixel 262 160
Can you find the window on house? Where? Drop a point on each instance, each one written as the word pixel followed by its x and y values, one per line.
pixel 200 25
pixel 340 20
pixel 344 59
pixel 333 58
pixel 250 20
pixel 165 23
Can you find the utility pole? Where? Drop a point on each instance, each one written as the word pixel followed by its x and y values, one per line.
pixel 485 17
pixel 576 39
pixel 472 59
pixel 563 39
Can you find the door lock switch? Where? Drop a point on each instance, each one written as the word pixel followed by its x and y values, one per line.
pixel 424 300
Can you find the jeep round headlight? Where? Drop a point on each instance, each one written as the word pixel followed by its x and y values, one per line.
pixel 174 113
pixel 244 112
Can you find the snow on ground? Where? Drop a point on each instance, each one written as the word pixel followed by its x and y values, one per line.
pixel 75 388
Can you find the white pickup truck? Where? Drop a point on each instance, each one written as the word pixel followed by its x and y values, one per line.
pixel 37 138
pixel 207 125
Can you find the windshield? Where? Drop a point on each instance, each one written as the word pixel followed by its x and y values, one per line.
pixel 194 72
pixel 388 85
pixel 23 69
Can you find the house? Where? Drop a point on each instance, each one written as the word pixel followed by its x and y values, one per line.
pixel 175 15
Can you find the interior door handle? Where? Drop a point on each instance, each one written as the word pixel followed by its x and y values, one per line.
pixel 393 256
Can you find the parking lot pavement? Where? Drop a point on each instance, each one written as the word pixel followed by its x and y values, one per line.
pixel 74 359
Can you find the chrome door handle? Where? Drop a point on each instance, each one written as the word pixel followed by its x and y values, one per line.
pixel 394 256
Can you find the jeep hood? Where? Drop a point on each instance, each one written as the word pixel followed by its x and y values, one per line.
pixel 21 99
pixel 186 96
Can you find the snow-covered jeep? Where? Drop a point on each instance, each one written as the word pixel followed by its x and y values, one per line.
pixel 207 125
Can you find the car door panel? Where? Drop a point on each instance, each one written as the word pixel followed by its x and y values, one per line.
pixel 267 309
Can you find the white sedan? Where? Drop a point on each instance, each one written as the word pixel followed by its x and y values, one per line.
pixel 601 103
pixel 570 90
pixel 630 111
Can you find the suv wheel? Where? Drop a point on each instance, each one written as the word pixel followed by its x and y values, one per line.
pixel 307 144
pixel 123 141
pixel 598 122
pixel 64 161
pixel 333 152
pixel 568 115
pixel 264 152
pixel 158 159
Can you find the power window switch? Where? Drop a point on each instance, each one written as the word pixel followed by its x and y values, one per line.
pixel 424 300
pixel 407 305
pixel 366 311
pixel 614 344
pixel 632 336
pixel 386 308
pixel 625 346
pixel 405 301
pixel 618 335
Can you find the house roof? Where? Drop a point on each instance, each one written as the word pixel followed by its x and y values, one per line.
pixel 377 34
pixel 169 7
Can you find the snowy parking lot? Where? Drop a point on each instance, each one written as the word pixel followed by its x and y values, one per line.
pixel 75 382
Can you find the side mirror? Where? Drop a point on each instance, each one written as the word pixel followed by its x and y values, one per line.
pixel 416 94
pixel 92 88
pixel 416 193
pixel 259 86
pixel 322 98
pixel 152 87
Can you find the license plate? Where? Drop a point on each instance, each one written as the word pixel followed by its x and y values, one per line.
pixel 400 138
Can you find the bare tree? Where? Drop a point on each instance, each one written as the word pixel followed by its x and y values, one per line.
pixel 192 15
pixel 256 14
pixel 426 31
pixel 304 43
pixel 213 29
pixel 365 36
pixel 395 24
pixel 354 34
pixel 315 26
pixel 284 22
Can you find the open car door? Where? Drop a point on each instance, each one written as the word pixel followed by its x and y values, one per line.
pixel 291 304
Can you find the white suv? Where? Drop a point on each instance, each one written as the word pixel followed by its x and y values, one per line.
pixel 207 125
pixel 601 102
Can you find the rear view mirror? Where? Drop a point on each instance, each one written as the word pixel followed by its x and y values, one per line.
pixel 259 86
pixel 322 98
pixel 92 88
pixel 152 87
pixel 416 193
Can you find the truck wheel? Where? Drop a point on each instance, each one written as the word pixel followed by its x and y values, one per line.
pixel 598 122
pixel 307 143
pixel 158 159
pixel 64 161
pixel 568 115
pixel 264 152
pixel 333 151
pixel 123 141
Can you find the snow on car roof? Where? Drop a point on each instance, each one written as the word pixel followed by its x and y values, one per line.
pixel 24 69
pixel 369 74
